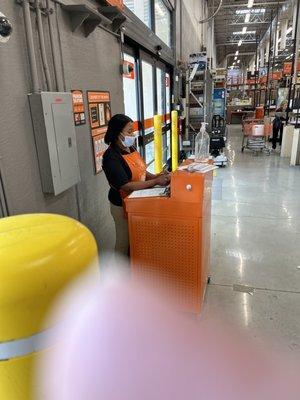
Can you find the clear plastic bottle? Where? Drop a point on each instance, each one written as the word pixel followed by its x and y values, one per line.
pixel 202 144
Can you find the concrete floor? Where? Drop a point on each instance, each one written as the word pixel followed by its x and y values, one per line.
pixel 256 244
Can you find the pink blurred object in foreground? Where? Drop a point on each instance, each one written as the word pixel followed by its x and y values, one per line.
pixel 125 344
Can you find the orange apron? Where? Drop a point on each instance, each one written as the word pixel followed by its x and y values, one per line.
pixel 138 170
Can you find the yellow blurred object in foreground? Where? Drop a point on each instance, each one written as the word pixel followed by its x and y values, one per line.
pixel 41 254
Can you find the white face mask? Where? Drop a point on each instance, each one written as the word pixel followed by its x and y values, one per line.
pixel 128 141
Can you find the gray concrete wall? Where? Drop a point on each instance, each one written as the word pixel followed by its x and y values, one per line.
pixel 193 34
pixel 89 63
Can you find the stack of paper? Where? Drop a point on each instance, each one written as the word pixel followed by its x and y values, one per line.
pixel 198 167
pixel 154 192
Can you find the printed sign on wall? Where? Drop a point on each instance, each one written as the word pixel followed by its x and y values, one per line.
pixel 78 107
pixel 99 114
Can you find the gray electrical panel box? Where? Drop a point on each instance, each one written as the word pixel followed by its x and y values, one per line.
pixel 55 136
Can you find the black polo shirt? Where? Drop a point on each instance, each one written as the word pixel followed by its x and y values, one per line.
pixel 117 172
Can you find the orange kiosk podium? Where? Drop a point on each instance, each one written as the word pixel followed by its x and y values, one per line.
pixel 170 238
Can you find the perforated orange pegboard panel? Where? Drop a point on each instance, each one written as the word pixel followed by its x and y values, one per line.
pixel 167 253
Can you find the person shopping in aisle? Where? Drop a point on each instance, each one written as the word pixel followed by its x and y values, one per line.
pixel 280 115
pixel 126 172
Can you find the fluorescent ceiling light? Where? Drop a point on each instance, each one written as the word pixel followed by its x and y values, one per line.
pixel 243 33
pixel 242 11
pixel 237 53
pixel 247 18
pixel 250 3
pixel 253 11
pixel 238 61
pixel 289 30
pixel 235 58
pixel 244 30
pixel 240 42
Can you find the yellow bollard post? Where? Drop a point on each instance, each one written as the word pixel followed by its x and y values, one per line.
pixel 175 147
pixel 158 144
pixel 41 254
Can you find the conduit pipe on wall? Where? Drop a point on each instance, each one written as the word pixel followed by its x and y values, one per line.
pixel 30 45
pixel 42 45
pixel 53 49
pixel 214 14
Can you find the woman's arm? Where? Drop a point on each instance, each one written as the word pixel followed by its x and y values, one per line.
pixel 150 176
pixel 161 180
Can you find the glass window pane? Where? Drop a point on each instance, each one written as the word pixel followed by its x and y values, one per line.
pixel 168 144
pixel 163 22
pixel 168 98
pixel 148 96
pixel 165 148
pixel 160 110
pixel 130 91
pixel 161 103
pixel 151 168
pixel 149 152
pixel 141 8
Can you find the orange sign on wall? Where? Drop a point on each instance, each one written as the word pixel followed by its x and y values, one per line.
pixel 78 107
pixel 100 114
pixel 116 3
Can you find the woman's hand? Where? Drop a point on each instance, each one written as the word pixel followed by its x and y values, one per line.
pixel 164 172
pixel 163 179
pixel 150 176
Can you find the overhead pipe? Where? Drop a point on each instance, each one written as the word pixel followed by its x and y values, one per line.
pixel 42 45
pixel 212 16
pixel 30 44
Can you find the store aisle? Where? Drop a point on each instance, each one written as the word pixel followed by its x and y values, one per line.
pixel 256 245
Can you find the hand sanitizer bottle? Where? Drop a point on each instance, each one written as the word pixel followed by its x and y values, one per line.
pixel 202 143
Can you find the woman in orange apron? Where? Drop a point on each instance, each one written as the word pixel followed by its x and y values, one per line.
pixel 126 172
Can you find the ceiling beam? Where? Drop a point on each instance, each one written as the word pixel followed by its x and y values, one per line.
pixel 256 5
pixel 247 53
pixel 234 43
pixel 251 22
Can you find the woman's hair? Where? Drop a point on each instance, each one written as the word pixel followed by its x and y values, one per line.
pixel 115 126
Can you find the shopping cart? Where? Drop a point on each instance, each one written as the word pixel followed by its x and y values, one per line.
pixel 255 135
